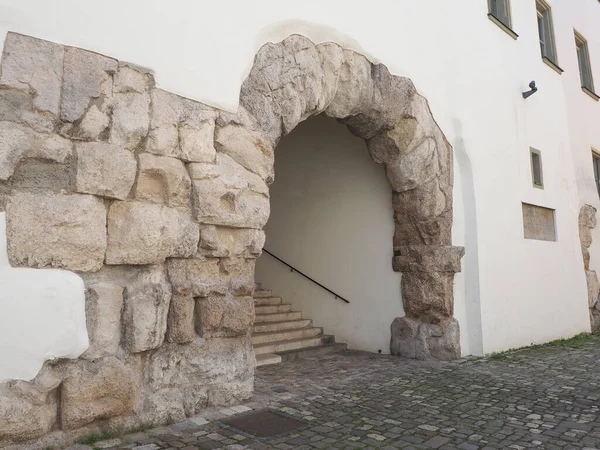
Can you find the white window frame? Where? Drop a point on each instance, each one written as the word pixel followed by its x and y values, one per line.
pixel 546 32
pixel 583 60
pixel 495 8
pixel 537 173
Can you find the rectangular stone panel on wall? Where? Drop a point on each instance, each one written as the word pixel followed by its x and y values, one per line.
pixel 538 223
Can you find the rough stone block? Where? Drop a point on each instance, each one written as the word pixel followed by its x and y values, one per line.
pixel 229 195
pixel 427 258
pixel 198 276
pixel 17 106
pixel 87 76
pixel 163 180
pixel 21 62
pixel 147 233
pixel 229 394
pixel 247 149
pixel 56 230
pixel 196 142
pixel 104 169
pixel 28 410
pixel 180 324
pixel 128 79
pixel 593 287
pixel 130 119
pixel 230 242
pixel 147 299
pixel 94 124
pixel 428 294
pixel 220 316
pixel 414 339
pixel 97 390
pixel 18 142
pixel 103 305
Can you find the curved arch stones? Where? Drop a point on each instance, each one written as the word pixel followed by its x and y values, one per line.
pixel 295 79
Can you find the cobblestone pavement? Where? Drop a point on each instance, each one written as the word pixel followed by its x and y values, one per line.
pixel 535 398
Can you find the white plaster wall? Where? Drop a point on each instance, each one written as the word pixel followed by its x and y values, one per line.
pixel 332 218
pixel 512 292
pixel 42 316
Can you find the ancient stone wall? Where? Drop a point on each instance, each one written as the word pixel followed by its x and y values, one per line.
pixel 587 222
pixel 158 203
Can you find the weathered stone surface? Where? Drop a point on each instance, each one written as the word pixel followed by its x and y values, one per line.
pixel 219 316
pixel 200 365
pixel 199 276
pixel 17 106
pixel 130 119
pixel 104 169
pixel 196 141
pixel 424 258
pixel 103 305
pixel 163 180
pixel 97 390
pixel 18 142
pixel 147 293
pixel 593 287
pixel 28 410
pixel 180 323
pixel 225 242
pixel 587 216
pixel 147 233
pixel 247 149
pixel 147 299
pixel 87 77
pixel 414 339
pixel 227 194
pixel 94 124
pixel 595 319
pixel 428 296
pixel 128 79
pixel 21 62
pixel 180 128
pixel 229 394
pixel 57 230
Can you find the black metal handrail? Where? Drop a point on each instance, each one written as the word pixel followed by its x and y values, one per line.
pixel 293 269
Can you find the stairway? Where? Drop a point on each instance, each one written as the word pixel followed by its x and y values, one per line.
pixel 280 334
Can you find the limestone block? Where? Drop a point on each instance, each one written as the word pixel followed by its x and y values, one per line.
pixel 229 394
pixel 104 169
pixel 229 195
pixel 219 316
pixel 198 276
pixel 247 149
pixel 87 76
pixel 21 62
pixel 147 233
pixel 428 294
pixel 587 216
pixel 163 180
pixel 593 287
pixel 180 127
pixel 196 141
pixel 58 230
pixel 332 58
pixel 94 124
pixel 18 142
pixel 97 390
pixel 202 362
pixel 162 406
pixel 103 305
pixel 586 257
pixel 128 79
pixel 180 323
pixel 17 106
pixel 230 242
pixel 147 299
pixel 28 410
pixel 414 339
pixel 595 319
pixel 130 119
pixel 428 258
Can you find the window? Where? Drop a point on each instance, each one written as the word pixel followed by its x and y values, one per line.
pixel 536 168
pixel 585 68
pixel 500 9
pixel 596 163
pixel 546 33
pixel 499 13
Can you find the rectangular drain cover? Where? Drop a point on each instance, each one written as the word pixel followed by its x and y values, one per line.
pixel 264 423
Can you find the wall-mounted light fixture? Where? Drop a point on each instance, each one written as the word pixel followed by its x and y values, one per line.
pixel 533 89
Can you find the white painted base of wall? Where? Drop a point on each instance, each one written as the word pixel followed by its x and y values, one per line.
pixel 42 316
pixel 332 218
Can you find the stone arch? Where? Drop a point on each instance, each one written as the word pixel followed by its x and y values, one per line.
pixel 295 79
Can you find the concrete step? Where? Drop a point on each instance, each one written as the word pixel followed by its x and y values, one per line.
pixel 272 309
pixel 262 293
pixel 278 317
pixel 292 344
pixel 273 336
pixel 267 358
pixel 260 301
pixel 280 326
pixel 307 352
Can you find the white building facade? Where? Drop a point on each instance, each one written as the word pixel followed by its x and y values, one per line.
pixel 525 176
